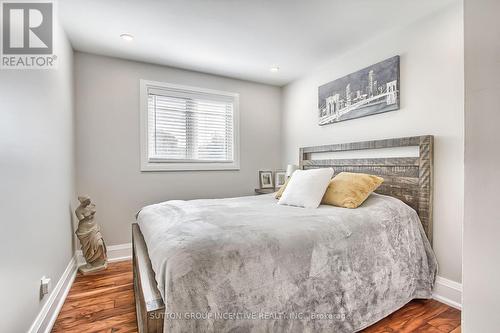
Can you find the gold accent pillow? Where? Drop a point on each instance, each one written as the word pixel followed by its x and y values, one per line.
pixel 282 189
pixel 350 190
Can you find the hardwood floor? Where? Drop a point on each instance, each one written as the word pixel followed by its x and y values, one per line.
pixel 104 303
pixel 420 316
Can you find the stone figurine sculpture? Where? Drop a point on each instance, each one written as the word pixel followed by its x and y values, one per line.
pixel 89 234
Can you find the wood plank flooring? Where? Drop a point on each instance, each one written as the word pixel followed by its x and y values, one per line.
pixel 104 303
pixel 420 316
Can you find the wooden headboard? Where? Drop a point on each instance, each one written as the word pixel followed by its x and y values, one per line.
pixel 409 179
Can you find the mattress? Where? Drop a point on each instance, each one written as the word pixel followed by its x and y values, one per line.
pixel 250 265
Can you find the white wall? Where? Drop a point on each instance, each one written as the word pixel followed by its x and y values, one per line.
pixel 36 183
pixel 108 158
pixel 431 103
pixel 481 265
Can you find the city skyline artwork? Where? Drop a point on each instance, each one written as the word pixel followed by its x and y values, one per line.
pixel 369 91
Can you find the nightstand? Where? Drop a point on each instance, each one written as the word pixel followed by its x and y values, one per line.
pixel 264 190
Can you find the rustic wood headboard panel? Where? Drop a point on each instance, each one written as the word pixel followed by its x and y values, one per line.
pixel 409 179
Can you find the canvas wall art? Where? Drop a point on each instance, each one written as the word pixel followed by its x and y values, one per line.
pixel 369 91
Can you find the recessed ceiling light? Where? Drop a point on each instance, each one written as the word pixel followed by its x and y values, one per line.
pixel 274 69
pixel 127 37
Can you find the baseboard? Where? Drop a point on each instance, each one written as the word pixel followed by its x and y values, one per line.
pixel 48 314
pixel 448 292
pixel 120 252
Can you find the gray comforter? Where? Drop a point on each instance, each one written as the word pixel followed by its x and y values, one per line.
pixel 250 265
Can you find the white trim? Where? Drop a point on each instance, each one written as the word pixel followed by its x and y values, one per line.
pixel 120 252
pixel 448 292
pixel 48 314
pixel 147 165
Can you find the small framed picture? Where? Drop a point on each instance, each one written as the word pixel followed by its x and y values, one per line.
pixel 266 179
pixel 279 178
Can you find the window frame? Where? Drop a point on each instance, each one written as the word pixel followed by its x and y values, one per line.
pixel 183 165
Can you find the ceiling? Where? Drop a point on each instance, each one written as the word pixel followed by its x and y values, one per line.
pixel 235 38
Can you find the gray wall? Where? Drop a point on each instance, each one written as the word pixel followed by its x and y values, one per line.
pixel 36 183
pixel 481 265
pixel 432 96
pixel 108 159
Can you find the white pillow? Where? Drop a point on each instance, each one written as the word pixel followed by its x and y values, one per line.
pixel 306 188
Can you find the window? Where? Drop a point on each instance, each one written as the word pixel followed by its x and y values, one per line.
pixel 187 128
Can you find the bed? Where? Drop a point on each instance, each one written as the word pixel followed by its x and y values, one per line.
pixel 250 265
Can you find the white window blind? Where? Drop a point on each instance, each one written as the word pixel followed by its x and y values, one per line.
pixel 190 125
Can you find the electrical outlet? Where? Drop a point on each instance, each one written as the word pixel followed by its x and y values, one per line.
pixel 45 285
